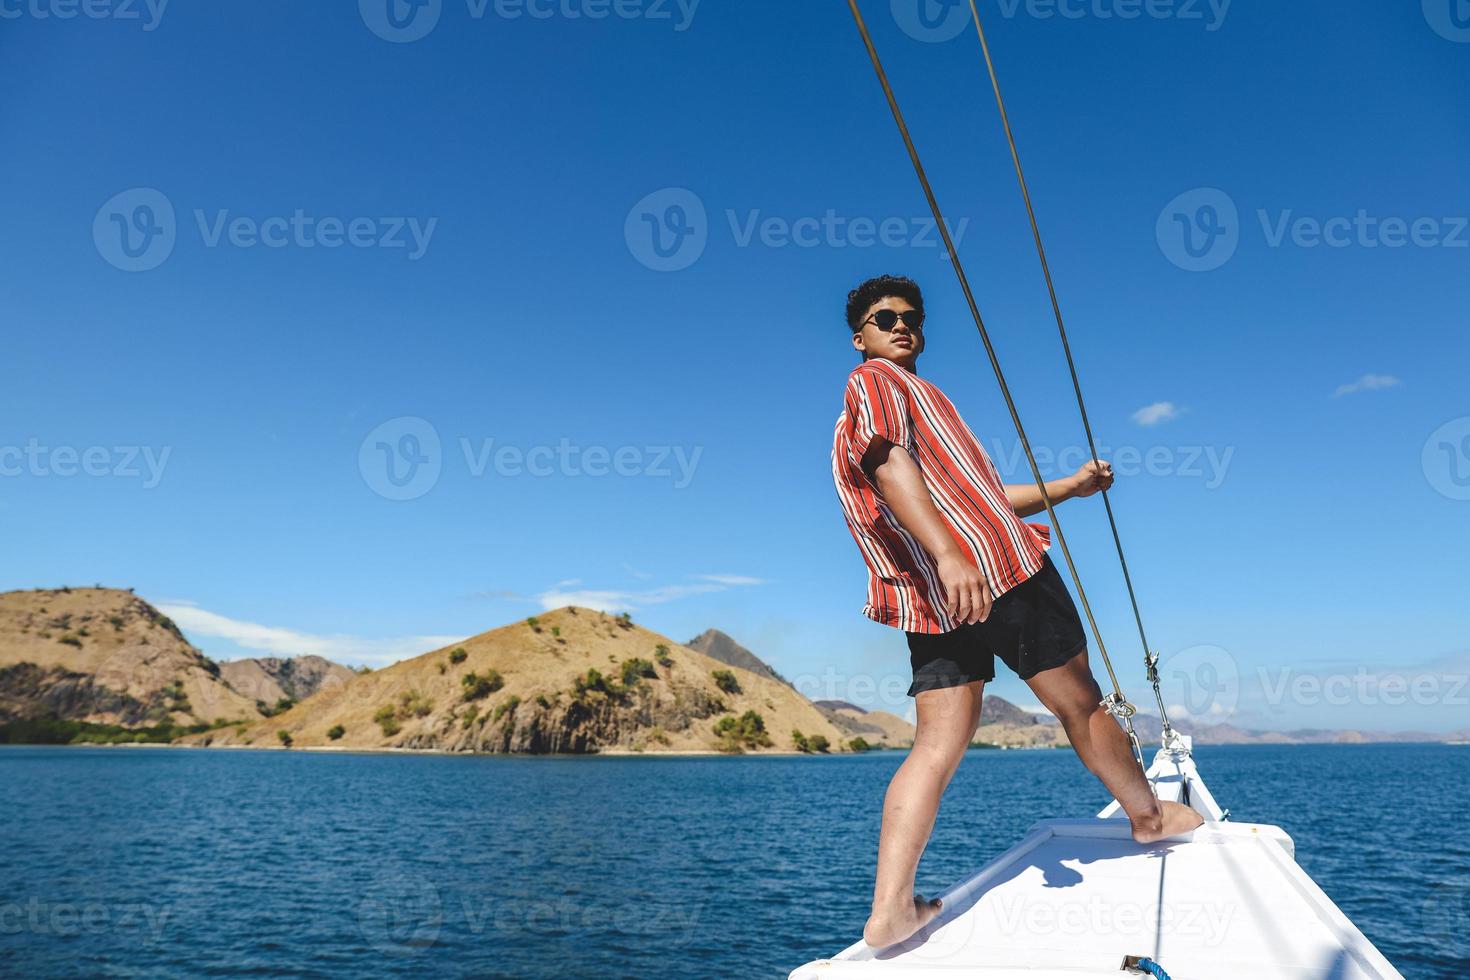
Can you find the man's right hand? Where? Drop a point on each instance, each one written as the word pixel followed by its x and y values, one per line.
pixel 967 595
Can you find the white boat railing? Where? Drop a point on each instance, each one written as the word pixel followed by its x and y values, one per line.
pixel 1174 777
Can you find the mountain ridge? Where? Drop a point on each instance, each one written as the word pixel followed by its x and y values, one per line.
pixel 273 680
pixel 568 680
pixel 105 657
pixel 571 680
pixel 724 648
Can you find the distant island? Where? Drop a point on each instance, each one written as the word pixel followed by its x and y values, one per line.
pixel 99 665
pixel 102 665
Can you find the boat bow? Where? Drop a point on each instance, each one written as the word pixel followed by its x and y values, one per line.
pixel 1075 897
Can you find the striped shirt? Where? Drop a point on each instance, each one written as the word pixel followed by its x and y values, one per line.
pixel 882 399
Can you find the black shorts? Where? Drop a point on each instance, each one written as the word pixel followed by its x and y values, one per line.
pixel 1033 627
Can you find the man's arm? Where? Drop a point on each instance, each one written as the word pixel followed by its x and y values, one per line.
pixel 1025 498
pixel 967 595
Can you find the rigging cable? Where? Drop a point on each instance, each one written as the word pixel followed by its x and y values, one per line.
pixel 1150 659
pixel 1115 703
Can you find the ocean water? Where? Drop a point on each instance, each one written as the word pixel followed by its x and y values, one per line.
pixel 137 862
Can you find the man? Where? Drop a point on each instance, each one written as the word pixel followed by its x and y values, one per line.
pixel 952 563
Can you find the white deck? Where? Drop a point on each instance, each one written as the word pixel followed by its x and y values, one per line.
pixel 1075 896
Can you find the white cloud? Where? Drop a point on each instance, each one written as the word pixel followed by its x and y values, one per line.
pixel 626 600
pixel 732 579
pixel 277 641
pixel 500 594
pixel 1368 382
pixel 1157 413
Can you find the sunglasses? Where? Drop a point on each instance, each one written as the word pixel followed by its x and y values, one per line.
pixel 886 320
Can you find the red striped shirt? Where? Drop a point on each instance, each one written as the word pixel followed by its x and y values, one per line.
pixel 882 399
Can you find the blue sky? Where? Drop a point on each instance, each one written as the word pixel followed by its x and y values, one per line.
pixel 576 270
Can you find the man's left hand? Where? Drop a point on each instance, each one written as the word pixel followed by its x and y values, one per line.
pixel 1093 476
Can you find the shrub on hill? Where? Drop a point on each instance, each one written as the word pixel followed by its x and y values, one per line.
pixel 477 686
pixel 506 707
pixel 593 683
pixel 49 731
pixel 282 704
pixel 387 719
pixel 725 680
pixel 413 704
pixel 746 732
pixel 637 668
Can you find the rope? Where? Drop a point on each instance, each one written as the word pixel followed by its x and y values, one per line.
pixel 1146 965
pixel 1115 703
pixel 1150 659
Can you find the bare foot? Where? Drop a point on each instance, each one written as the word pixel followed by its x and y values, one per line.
pixel 1173 819
pixel 900 922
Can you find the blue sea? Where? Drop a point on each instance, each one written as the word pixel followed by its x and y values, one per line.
pixel 161 862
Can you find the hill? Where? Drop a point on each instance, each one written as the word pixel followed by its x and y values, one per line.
pixel 571 680
pixel 723 648
pixel 270 680
pixel 1003 724
pixel 878 728
pixel 104 656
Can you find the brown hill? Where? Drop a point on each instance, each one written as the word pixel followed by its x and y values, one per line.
pixel 723 648
pixel 1001 723
pixel 878 728
pixel 997 710
pixel 571 680
pixel 1008 729
pixel 268 680
pixel 104 656
pixel 832 704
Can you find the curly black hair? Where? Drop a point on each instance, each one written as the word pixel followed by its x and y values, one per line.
pixel 871 291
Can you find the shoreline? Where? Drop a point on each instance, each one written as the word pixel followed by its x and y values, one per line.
pixel 619 753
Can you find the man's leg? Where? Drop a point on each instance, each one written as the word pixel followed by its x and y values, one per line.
pixel 1071 693
pixel 947 720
